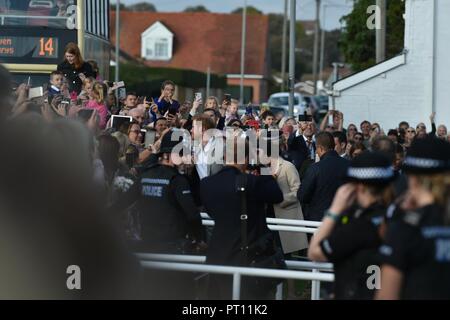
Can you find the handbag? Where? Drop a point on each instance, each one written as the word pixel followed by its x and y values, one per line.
pixel 262 253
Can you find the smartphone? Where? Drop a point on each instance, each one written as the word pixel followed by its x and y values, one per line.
pixel 85 114
pixel 228 98
pixel 29 81
pixel 120 84
pixel 249 109
pixel 198 96
pixel 305 118
pixel 130 159
pixel 118 121
pixel 173 111
pixel 150 138
pixel 122 93
pixel 35 92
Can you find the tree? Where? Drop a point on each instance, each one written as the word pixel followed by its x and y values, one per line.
pixel 250 10
pixel 142 6
pixel 358 41
pixel 112 6
pixel 196 9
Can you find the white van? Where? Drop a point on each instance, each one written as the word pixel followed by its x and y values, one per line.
pixel 279 102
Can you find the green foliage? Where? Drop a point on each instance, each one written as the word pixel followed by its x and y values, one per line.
pixel 145 80
pixel 199 8
pixel 250 10
pixel 140 6
pixel 358 42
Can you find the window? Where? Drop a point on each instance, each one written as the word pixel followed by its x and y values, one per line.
pixel 157 42
pixel 161 49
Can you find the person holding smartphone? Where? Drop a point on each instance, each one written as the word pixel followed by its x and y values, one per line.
pixel 350 233
pixel 165 102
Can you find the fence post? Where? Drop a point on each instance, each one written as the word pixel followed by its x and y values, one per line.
pixel 236 286
pixel 279 293
pixel 315 287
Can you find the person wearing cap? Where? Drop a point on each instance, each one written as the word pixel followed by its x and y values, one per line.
pixel 168 213
pixel 416 251
pixel 349 234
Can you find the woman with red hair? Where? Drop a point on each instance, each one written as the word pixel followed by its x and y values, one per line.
pixel 74 68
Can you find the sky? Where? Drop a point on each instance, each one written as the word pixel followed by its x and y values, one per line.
pixel 306 9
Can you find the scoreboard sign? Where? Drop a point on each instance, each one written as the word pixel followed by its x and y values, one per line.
pixel 35 45
pixel 32 47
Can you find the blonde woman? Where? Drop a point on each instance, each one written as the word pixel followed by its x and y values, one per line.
pixel 288 180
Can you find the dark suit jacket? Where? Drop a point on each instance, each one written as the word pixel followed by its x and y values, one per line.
pixel 298 150
pixel 320 183
pixel 223 203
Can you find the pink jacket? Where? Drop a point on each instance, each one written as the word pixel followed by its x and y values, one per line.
pixel 101 110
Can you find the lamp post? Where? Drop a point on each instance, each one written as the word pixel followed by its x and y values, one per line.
pixel 292 57
pixel 244 25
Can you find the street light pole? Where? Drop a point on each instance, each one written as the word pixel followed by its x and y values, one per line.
pixel 117 48
pixel 244 25
pixel 283 49
pixel 381 32
pixel 293 7
pixel 322 43
pixel 316 44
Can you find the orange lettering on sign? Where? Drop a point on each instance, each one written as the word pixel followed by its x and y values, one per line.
pixel 46 47
pixel 5 42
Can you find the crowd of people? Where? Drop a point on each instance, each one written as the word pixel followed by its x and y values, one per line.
pixel 383 199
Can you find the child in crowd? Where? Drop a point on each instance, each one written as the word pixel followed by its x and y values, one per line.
pixel 268 118
pixel 97 102
pixel 232 110
pixel 85 93
pixel 56 83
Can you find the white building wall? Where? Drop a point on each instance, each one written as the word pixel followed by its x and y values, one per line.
pixel 442 69
pixel 406 92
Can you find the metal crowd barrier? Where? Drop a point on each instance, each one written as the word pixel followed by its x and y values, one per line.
pixel 191 263
pixel 276 224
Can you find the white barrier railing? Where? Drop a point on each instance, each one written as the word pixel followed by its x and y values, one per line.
pixel 276 224
pixel 238 272
pixel 191 260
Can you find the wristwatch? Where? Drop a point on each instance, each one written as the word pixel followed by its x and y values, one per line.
pixel 332 216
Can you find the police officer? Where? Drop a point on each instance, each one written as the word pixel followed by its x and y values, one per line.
pixel 170 221
pixel 236 201
pixel 349 233
pixel 416 253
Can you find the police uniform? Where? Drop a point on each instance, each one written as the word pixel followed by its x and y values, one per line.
pixel 353 244
pixel 168 211
pixel 418 242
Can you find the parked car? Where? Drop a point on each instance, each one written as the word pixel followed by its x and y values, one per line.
pixel 322 104
pixel 279 102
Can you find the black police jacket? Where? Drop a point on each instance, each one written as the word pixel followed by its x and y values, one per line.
pixel 418 245
pixel 223 203
pixel 71 73
pixel 167 210
pixel 352 247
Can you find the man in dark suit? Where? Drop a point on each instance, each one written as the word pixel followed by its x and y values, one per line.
pixel 322 179
pixel 222 202
pixel 301 145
